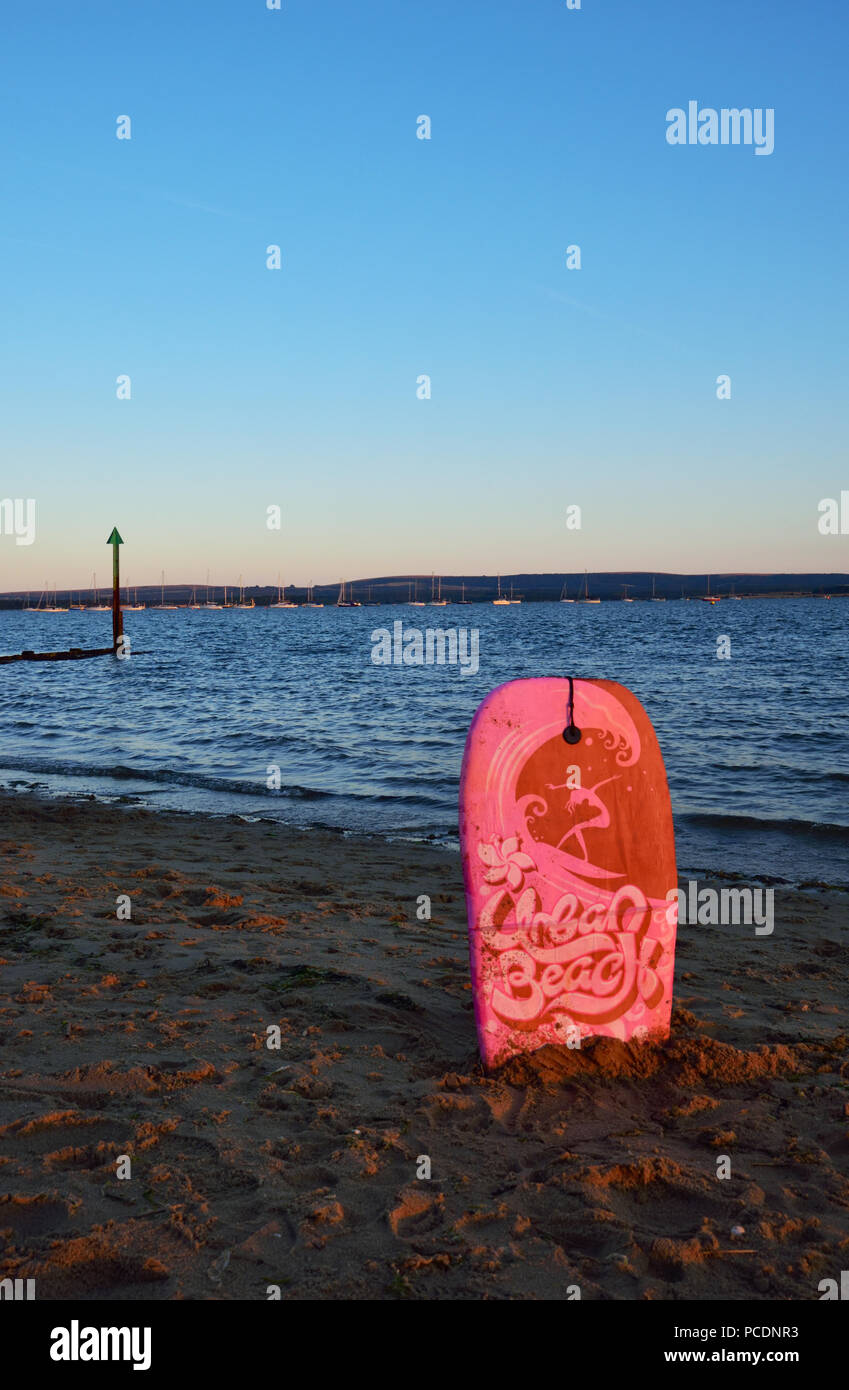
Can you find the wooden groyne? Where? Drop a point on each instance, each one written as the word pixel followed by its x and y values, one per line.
pixel 74 654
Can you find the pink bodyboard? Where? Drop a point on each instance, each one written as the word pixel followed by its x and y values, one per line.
pixel 569 867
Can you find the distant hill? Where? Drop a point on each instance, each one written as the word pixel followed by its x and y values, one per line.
pixel 531 588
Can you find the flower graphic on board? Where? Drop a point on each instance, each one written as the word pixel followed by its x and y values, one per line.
pixel 505 860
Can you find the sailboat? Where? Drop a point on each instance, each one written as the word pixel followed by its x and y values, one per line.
pixel 563 594
pixel 281 601
pixel 654 597
pixel 194 603
pixel 436 600
pixel 311 603
pixel 586 594
pixel 511 598
pixel 208 604
pixel 132 606
pixel 709 597
pixel 500 600
pixel 97 606
pixel 162 604
pixel 736 597
pixel 463 598
pixel 47 606
pixel 414 601
pixel 344 600
pixel 242 604
pixel 625 598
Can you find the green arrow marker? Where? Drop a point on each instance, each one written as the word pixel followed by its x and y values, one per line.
pixel 117 617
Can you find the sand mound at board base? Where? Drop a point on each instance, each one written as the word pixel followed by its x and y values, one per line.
pixel 681 1060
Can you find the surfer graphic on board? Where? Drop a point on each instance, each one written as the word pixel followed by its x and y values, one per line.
pixel 584 808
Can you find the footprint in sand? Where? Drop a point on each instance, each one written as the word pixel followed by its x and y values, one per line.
pixel 416 1213
pixel 27 1216
pixel 59 1134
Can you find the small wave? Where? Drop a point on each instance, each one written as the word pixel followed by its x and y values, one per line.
pixel 231 786
pixel 825 829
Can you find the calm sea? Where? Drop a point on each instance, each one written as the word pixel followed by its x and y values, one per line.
pixel 755 746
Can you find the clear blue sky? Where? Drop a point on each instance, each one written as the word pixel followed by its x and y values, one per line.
pixel 402 257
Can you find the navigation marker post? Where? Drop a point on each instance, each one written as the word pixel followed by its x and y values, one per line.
pixel 117 621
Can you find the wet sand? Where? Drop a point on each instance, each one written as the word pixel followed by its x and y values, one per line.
pixel 297 1167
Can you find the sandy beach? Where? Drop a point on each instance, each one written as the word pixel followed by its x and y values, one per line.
pixel 297 1166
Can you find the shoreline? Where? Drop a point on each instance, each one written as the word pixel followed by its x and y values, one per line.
pixel 442 839
pixel 297 1166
